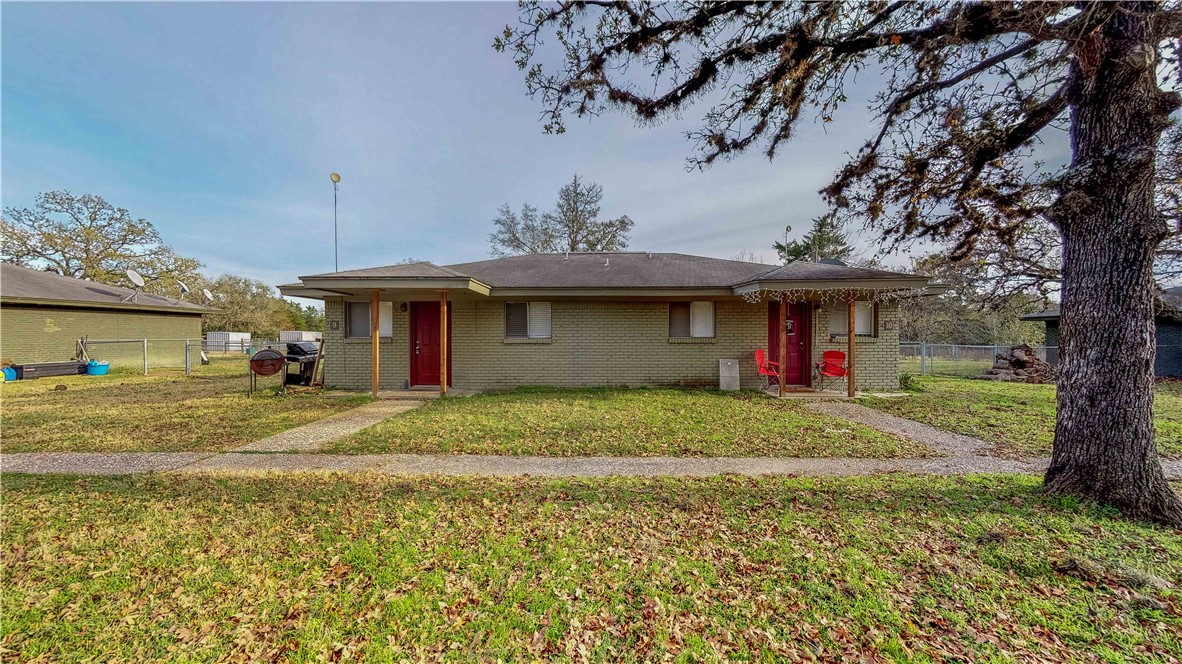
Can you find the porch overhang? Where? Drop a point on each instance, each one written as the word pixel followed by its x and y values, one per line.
pixel 840 285
pixel 408 287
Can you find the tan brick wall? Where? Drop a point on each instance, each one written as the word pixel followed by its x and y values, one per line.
pixel 50 334
pixel 876 359
pixel 592 343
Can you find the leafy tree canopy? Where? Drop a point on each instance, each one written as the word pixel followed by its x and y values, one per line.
pixel 88 238
pixel 966 92
pixel 826 239
pixel 573 225
pixel 966 314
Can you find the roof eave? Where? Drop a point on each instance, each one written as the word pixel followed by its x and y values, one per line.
pixel 195 310
pixel 608 292
pixel 390 283
pixel 835 284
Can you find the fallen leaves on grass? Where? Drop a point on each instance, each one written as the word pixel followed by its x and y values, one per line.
pixel 625 422
pixel 1019 419
pixel 303 568
pixel 162 412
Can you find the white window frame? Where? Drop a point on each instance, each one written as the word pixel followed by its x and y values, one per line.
pixel 865 319
pixel 539 320
pixel 385 321
pixel 703 319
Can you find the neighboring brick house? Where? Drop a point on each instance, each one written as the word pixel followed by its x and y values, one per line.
pixel 621 318
pixel 1168 323
pixel 44 314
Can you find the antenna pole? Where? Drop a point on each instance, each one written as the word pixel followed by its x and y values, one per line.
pixel 336 255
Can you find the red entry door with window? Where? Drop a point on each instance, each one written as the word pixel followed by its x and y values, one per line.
pixel 796 371
pixel 424 343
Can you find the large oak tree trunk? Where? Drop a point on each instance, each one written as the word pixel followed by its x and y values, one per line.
pixel 1104 435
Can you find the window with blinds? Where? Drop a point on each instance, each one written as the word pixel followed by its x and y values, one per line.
pixel 865 316
pixel 691 319
pixel 358 320
pixel 527 320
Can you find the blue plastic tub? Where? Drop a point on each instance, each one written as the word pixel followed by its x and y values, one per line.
pixel 9 374
pixel 96 368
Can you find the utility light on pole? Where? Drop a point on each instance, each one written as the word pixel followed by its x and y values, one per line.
pixel 336 253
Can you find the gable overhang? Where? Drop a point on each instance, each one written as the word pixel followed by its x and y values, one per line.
pixel 408 287
pixel 899 284
pixel 612 293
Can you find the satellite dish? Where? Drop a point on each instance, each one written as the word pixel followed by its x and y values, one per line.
pixel 137 282
pixel 208 295
pixel 335 177
pixel 184 288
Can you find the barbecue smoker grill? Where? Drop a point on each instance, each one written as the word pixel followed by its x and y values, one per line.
pixel 301 355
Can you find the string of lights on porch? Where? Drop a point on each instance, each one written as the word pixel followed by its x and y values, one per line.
pixel 831 295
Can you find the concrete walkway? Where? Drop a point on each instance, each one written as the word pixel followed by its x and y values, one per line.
pixel 964 455
pixel 945 442
pixel 500 466
pixel 314 435
pixel 509 466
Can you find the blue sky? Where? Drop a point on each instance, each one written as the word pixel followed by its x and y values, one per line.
pixel 221 122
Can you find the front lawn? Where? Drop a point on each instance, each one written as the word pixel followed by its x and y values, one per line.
pixel 1015 416
pixel 322 568
pixel 163 412
pixel 624 422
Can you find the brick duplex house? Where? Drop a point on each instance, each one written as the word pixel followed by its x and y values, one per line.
pixel 620 318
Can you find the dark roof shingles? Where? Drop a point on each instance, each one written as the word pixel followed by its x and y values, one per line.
pixel 615 270
pixel 611 270
pixel 25 283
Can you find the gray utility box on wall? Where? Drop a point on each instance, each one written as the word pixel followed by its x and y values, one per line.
pixel 728 375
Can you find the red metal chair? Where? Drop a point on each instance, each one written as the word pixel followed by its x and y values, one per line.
pixel 832 365
pixel 766 372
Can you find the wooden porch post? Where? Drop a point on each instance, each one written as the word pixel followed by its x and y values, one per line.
pixel 375 331
pixel 849 377
pixel 783 341
pixel 443 343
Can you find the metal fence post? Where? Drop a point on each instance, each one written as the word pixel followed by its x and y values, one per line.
pixel 923 358
pixel 145 357
pixel 188 363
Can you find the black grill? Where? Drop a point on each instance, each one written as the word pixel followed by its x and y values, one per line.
pixel 302 354
pixel 302 351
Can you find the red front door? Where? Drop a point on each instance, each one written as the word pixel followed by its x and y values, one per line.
pixel 424 344
pixel 796 371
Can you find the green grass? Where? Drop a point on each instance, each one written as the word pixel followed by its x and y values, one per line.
pixel 322 568
pixel 163 412
pixel 624 422
pixel 1015 416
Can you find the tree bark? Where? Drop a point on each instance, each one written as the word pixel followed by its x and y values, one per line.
pixel 1105 448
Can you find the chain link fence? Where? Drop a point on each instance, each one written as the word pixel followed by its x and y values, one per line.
pixel 923 359
pixel 147 354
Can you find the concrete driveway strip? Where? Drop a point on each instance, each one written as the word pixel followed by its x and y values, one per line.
pixel 314 435
pixel 82 463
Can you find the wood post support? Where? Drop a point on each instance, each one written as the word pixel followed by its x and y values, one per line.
pixel 783 359
pixel 443 349
pixel 849 375
pixel 375 330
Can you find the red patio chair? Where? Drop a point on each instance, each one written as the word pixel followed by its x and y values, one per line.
pixel 766 372
pixel 832 365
